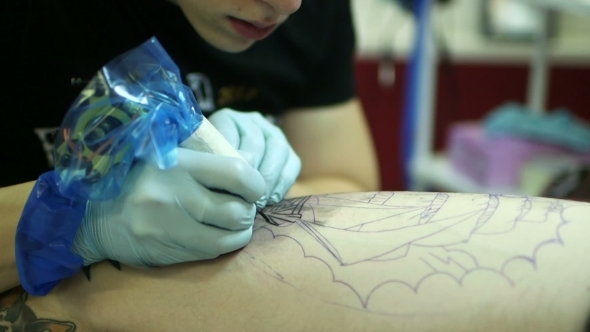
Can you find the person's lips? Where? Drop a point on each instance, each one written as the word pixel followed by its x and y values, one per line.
pixel 251 30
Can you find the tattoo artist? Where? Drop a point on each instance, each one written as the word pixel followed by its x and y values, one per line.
pixel 247 61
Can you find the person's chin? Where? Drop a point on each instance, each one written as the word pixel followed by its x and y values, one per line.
pixel 235 47
pixel 230 45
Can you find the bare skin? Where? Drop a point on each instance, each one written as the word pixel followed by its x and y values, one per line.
pixel 361 262
pixel 12 202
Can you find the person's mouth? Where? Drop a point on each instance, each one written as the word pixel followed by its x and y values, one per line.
pixel 251 30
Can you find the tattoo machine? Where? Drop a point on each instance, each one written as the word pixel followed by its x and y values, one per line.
pixel 134 108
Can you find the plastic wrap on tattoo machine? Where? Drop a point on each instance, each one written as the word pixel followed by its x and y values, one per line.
pixel 135 107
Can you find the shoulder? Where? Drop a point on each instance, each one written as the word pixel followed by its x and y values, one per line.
pixel 65 41
pixel 72 26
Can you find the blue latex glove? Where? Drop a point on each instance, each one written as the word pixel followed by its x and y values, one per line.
pixel 265 146
pixel 170 216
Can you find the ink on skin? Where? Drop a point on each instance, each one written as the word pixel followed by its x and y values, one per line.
pixel 265 217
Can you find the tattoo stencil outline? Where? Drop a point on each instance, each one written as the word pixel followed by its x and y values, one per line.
pixel 412 237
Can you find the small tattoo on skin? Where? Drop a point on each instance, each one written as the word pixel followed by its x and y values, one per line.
pixel 17 316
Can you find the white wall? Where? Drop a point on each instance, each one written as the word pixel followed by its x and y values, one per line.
pixel 381 26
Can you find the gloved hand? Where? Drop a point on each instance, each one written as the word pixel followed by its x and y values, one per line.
pixel 266 148
pixel 169 216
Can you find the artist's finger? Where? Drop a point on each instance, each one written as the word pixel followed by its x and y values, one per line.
pixel 286 180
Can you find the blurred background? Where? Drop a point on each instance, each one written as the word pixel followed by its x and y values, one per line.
pixel 489 96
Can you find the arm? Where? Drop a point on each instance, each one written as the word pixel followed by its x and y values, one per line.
pixel 362 262
pixel 12 202
pixel 336 149
pixel 328 128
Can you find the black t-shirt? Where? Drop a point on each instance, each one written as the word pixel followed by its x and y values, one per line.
pixel 52 47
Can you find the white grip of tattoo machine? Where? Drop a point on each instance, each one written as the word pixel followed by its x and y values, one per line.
pixel 207 139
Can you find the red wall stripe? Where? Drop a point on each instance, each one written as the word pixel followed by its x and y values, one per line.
pixel 464 92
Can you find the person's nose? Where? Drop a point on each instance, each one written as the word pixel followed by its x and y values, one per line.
pixel 284 7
